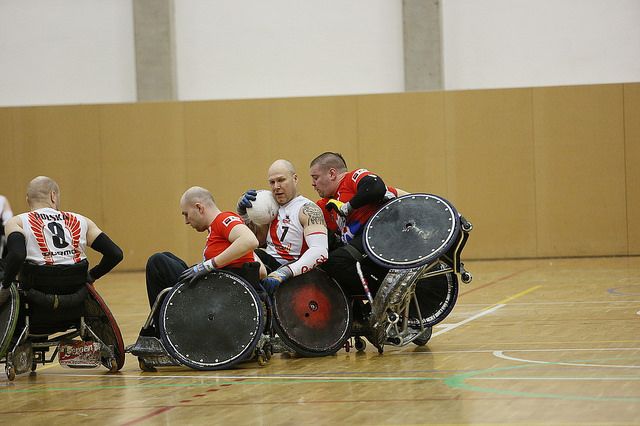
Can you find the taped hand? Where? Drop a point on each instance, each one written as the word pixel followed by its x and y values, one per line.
pixel 197 271
pixel 343 209
pixel 276 278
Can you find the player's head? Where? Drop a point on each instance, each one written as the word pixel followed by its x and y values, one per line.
pixel 198 208
pixel 43 191
pixel 326 170
pixel 283 181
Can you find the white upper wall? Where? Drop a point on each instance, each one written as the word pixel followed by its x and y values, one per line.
pixel 82 51
pixel 518 43
pixel 66 52
pixel 280 48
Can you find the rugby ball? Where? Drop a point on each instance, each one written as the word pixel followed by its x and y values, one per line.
pixel 264 209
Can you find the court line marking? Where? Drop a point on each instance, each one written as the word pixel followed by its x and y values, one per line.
pixel 489 310
pixel 500 354
pixel 459 382
pixel 497 280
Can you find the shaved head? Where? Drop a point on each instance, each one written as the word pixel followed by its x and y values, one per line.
pixel 283 181
pixel 281 166
pixel 198 208
pixel 40 189
pixel 197 194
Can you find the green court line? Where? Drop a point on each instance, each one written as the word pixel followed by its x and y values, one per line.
pixel 459 382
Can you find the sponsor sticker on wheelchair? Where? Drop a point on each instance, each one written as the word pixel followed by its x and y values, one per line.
pixel 78 353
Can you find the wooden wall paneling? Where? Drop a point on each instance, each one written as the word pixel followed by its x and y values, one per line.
pixel 490 169
pixel 632 161
pixel 10 185
pixel 144 177
pixel 303 128
pixel 401 137
pixel 62 142
pixel 580 170
pixel 227 150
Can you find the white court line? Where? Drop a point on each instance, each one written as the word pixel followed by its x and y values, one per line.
pixel 500 354
pixel 449 327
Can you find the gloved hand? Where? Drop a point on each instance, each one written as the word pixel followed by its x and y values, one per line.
pixel 276 278
pixel 343 209
pixel 198 270
pixel 5 294
pixel 246 200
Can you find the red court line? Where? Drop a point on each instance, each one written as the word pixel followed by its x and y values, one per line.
pixel 148 416
pixel 496 281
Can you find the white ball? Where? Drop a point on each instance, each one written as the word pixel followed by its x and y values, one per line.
pixel 264 209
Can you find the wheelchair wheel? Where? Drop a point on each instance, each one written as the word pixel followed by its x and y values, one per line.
pixel 411 231
pixel 212 323
pixel 436 297
pixel 99 318
pixel 424 338
pixel 8 320
pixel 311 314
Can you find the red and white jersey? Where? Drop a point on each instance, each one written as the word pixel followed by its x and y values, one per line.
pixel 285 239
pixel 54 237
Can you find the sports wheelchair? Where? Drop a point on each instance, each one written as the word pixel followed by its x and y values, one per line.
pixel 222 320
pixel 54 307
pixel 419 238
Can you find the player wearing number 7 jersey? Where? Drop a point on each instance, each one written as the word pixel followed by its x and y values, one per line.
pixel 48 236
pixel 296 240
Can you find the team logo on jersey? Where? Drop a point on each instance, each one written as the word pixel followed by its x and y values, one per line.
pixel 357 174
pixel 229 220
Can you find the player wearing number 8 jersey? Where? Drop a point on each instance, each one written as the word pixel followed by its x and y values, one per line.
pixel 296 240
pixel 48 236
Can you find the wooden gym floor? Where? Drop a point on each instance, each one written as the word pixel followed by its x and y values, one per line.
pixel 529 342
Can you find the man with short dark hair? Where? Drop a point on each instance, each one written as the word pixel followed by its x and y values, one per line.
pixel 349 199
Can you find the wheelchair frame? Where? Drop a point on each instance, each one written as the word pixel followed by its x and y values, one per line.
pixel 25 354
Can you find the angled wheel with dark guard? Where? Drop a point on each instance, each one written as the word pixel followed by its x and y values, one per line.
pixel 311 314
pixel 411 231
pixel 212 323
pixel 100 320
pixel 8 320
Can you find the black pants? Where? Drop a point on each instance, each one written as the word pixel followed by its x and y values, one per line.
pixel 162 271
pixel 269 261
pixel 341 266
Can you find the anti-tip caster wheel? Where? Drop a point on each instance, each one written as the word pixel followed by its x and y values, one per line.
pixel 360 344
pixel 146 367
pixel 113 365
pixel 11 372
pixel 466 277
pixel 262 360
